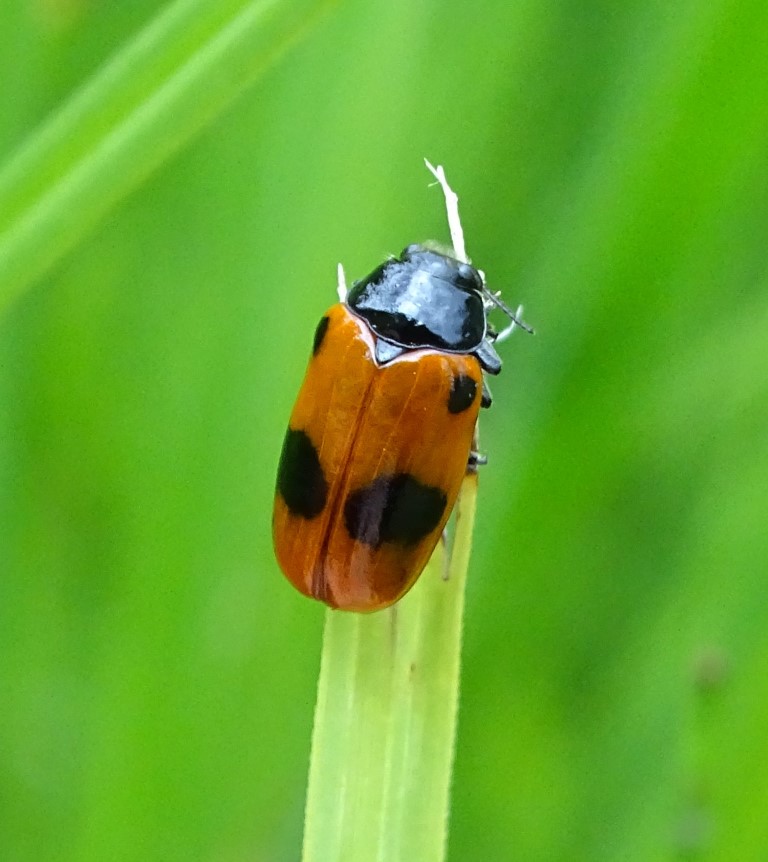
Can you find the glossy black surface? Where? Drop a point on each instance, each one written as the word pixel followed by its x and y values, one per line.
pixel 423 299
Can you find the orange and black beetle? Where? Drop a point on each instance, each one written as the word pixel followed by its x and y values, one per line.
pixel 381 433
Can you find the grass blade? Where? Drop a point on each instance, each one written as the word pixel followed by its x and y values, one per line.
pixel 179 72
pixel 385 721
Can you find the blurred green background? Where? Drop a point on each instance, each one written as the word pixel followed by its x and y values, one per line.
pixel 157 674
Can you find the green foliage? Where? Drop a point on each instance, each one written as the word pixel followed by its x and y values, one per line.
pixel 176 75
pixel 385 721
pixel 157 673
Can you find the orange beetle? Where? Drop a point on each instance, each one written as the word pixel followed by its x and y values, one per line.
pixel 381 434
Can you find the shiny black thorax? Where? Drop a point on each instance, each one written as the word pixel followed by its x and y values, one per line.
pixel 423 299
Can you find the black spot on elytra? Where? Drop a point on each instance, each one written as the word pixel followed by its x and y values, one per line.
pixel 322 328
pixel 463 391
pixel 397 509
pixel 300 478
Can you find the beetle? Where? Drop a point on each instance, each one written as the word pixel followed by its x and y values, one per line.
pixel 381 434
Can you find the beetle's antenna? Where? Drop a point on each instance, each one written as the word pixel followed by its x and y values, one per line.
pixel 515 317
pixel 452 211
pixel 457 240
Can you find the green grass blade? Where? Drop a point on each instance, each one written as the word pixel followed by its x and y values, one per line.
pixel 385 721
pixel 162 88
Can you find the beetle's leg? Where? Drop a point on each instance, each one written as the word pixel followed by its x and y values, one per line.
pixel 476 460
pixel 487 398
pixel 488 357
